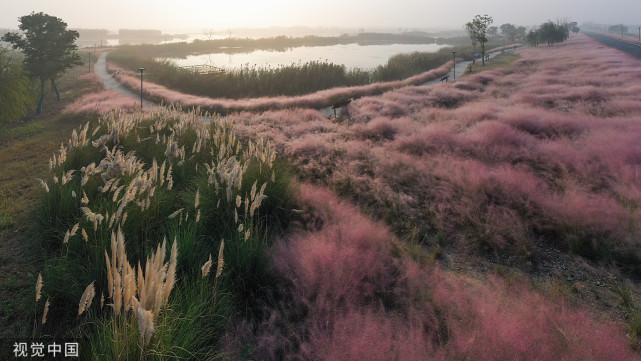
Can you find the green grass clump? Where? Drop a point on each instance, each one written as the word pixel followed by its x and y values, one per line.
pixel 121 192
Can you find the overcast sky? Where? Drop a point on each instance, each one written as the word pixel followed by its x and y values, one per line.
pixel 183 15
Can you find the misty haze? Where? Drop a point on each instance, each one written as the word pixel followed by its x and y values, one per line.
pixel 346 180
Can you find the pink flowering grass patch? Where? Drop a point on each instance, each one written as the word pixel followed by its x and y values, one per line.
pixel 354 293
pixel 102 102
pixel 446 161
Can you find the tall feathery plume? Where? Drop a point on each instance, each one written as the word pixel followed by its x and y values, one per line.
pixel 44 313
pixel 110 276
pixel 205 268
pixel 221 261
pixel 85 300
pixel 117 292
pixel 197 200
pixel 145 324
pixel 171 272
pixel 43 184
pixel 38 286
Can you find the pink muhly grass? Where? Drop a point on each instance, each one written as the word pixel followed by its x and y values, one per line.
pixel 102 102
pixel 380 128
pixel 354 297
pixel 437 138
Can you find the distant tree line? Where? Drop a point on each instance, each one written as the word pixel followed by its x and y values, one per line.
pixel 280 43
pixel 550 33
pixel 512 32
pixel 618 29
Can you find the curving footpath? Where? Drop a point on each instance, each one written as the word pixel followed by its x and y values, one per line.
pixel 625 46
pixel 110 83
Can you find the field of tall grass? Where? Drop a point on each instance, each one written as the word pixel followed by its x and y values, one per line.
pixel 166 237
pixel 356 294
pixel 154 229
pixel 543 152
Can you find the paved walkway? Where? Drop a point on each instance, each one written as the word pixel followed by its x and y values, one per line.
pixel 461 68
pixel 625 46
pixel 110 83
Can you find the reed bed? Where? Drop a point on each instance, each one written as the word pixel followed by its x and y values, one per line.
pixel 135 203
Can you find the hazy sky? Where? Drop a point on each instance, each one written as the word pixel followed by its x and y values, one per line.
pixel 182 15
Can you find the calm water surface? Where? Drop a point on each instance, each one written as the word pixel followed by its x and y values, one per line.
pixel 350 55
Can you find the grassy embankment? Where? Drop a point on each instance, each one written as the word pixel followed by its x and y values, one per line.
pixel 499 61
pixel 134 189
pixel 25 147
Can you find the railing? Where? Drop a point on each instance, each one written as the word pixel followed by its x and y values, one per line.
pixel 203 69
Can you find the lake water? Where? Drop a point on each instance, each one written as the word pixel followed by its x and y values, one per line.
pixel 350 55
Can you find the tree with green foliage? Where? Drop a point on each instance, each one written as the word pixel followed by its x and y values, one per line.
pixel 493 30
pixel 551 33
pixel 470 31
pixel 509 31
pixel 15 88
pixel 477 29
pixel 48 48
pixel 574 27
pixel 532 38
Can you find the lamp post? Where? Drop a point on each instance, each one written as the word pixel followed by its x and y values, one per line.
pixel 640 34
pixel 89 60
pixel 141 70
pixel 454 54
pixel 503 45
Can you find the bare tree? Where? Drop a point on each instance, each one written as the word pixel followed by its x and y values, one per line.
pixel 209 33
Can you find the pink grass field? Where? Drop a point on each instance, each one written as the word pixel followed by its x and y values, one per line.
pixel 102 102
pixel 354 296
pixel 547 150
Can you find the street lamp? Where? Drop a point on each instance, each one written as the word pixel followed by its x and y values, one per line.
pixel 89 60
pixel 454 54
pixel 640 34
pixel 141 70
